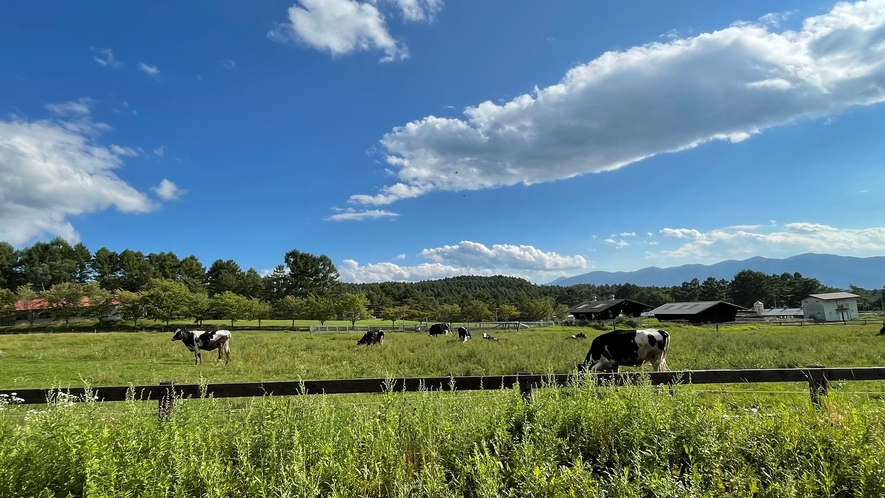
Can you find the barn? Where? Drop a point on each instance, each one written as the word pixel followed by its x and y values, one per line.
pixel 606 310
pixel 830 307
pixel 697 312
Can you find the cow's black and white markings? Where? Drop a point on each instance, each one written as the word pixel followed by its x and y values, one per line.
pixel 439 329
pixel 463 334
pixel 579 335
pixel 197 340
pixel 488 337
pixel 628 348
pixel 371 337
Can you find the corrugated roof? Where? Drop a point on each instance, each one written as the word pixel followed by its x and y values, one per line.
pixel 690 308
pixel 830 296
pixel 783 312
pixel 599 306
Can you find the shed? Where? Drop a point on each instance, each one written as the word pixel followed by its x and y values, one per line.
pixel 830 307
pixel 606 310
pixel 697 312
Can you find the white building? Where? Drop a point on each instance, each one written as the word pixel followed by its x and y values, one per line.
pixel 831 307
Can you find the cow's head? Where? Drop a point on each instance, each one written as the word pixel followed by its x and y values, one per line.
pixel 179 334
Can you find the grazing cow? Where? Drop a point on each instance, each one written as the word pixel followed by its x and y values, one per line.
pixel 439 329
pixel 629 348
pixel 488 337
pixel 882 330
pixel 371 337
pixel 197 340
pixel 579 335
pixel 463 334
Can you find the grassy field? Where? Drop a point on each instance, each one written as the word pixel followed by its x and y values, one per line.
pixel 572 441
pixel 72 359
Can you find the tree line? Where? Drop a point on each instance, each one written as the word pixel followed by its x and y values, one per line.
pixel 164 287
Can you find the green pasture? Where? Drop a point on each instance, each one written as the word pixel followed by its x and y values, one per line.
pixel 121 358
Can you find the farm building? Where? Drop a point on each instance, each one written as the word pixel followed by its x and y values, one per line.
pixel 606 310
pixel 697 312
pixel 830 307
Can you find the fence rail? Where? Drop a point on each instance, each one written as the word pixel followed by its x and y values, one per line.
pixel 817 378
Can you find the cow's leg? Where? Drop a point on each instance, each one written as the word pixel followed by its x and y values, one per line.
pixel 197 358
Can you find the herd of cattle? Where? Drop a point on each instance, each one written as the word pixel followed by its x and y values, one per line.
pixel 607 351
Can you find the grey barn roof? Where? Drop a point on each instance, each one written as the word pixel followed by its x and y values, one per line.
pixel 831 296
pixel 598 306
pixel 690 308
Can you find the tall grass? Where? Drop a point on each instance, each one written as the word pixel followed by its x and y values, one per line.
pixel 571 441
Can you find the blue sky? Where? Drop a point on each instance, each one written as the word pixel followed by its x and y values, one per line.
pixel 419 139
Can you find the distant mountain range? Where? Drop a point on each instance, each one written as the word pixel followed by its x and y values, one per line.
pixel 831 270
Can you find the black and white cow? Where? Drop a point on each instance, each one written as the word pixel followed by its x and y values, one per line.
pixel 210 340
pixel 439 329
pixel 628 348
pixel 371 337
pixel 488 337
pixel 463 334
pixel 579 335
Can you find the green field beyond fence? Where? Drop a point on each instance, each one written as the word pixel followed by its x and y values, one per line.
pixel 577 440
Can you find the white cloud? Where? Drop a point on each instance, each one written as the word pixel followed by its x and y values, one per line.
pixel 662 97
pixel 151 71
pixel 229 64
pixel 418 10
pixel 108 59
pixel 775 19
pixel 167 190
pixel 81 107
pixel 617 243
pixel 51 170
pixel 351 214
pixel 351 271
pixel 339 27
pixel 794 238
pixel 469 258
pixel 624 234
pixel 160 151
pixel 520 257
pixel 123 151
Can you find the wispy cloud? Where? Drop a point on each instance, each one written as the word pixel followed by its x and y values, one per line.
pixel 151 71
pixel 229 64
pixel 81 107
pixel 725 85
pixel 107 59
pixel 351 214
pixel 160 151
pixel 123 151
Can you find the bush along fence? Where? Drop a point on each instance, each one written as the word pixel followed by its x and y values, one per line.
pixel 817 377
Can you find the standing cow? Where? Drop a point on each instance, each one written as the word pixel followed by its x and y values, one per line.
pixel 371 337
pixel 629 348
pixel 463 334
pixel 197 340
pixel 439 329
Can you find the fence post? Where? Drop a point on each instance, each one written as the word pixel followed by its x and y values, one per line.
pixel 817 383
pixel 525 388
pixel 167 399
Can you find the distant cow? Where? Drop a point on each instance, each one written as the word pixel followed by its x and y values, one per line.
pixel 629 348
pixel 371 337
pixel 197 340
pixel 579 335
pixel 488 337
pixel 463 334
pixel 439 329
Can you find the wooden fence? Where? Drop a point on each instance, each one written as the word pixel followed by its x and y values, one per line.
pixel 818 379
